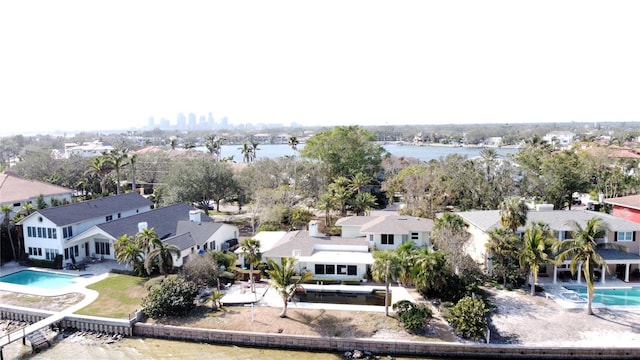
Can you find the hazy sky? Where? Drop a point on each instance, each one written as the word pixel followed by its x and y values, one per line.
pixel 88 65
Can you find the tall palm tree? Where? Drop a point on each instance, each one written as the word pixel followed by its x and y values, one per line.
pixel 246 150
pixel 489 156
pixel 513 213
pixel 254 150
pixel 293 142
pixel 406 253
pixel 386 267
pixel 581 249
pixel 327 203
pixel 284 279
pixel 213 144
pixel 6 210
pixel 128 252
pixel 538 243
pixel 163 254
pixel 133 159
pixel 341 192
pixel 251 253
pixel 117 159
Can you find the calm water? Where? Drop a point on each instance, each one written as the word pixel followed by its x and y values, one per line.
pixel 611 297
pixel 423 153
pixel 39 279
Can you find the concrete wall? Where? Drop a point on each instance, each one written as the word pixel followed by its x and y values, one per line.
pixel 379 347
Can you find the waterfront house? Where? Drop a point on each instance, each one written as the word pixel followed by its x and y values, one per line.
pixel 348 256
pixel 621 231
pixel 49 232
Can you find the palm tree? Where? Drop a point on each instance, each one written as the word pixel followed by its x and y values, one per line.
pixel 144 239
pixel 386 267
pixel 327 203
pixel 284 279
pixel 213 144
pixel 163 254
pixel 489 156
pixel 100 168
pixel 503 247
pixel 246 150
pixel 173 143
pixel 427 265
pixel 362 203
pixel 406 253
pixel 128 252
pixel 341 192
pixel 293 142
pixel 513 213
pixel 538 241
pixel 581 249
pixel 254 150
pixel 251 253
pixel 133 159
pixel 6 210
pixel 117 159
pixel 359 181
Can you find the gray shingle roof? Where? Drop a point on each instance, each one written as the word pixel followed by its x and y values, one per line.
pixel 91 209
pixel 302 242
pixel 396 224
pixel 163 220
pixel 557 220
pixel 182 241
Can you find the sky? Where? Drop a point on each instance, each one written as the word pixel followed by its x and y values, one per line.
pixel 90 65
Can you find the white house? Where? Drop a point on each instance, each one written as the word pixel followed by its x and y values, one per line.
pixel 16 191
pixel 621 232
pixel 48 232
pixel 349 256
pixel 178 224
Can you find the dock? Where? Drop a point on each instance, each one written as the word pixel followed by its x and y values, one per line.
pixel 32 333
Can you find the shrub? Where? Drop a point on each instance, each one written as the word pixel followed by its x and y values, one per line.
pixel 414 317
pixel 350 281
pixel 468 318
pixel 201 270
pixel 174 296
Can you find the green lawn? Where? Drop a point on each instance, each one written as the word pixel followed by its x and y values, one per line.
pixel 120 295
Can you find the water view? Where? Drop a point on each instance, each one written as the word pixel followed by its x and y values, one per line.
pixel 422 153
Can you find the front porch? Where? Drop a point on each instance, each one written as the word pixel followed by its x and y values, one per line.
pixel 618 268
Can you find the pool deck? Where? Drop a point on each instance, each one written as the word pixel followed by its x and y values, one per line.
pixel 553 291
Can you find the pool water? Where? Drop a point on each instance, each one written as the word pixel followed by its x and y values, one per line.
pixel 611 297
pixel 41 279
pixel 331 297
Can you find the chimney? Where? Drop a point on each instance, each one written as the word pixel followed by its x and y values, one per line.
pixel 142 226
pixel 314 228
pixel 194 216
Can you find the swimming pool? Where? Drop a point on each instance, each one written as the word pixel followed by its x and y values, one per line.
pixel 41 279
pixel 611 297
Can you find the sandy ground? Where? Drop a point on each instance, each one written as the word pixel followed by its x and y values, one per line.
pixel 537 321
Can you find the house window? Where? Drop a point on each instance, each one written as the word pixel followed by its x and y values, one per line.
pixel 66 254
pixel 50 254
pixel 342 269
pixel 39 232
pixel 102 248
pixel 319 269
pixel 119 215
pixel 330 269
pixel 386 239
pixel 624 236
pixel 31 231
pixel 352 270
pixel 371 237
pixel 67 232
pixel 50 233
pixel 415 236
pixel 75 250
pixel 109 218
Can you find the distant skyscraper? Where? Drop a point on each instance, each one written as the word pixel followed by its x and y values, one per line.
pixel 210 122
pixel 224 123
pixel 192 121
pixel 151 122
pixel 181 122
pixel 202 122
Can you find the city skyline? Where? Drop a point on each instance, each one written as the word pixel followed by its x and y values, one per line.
pixel 78 66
